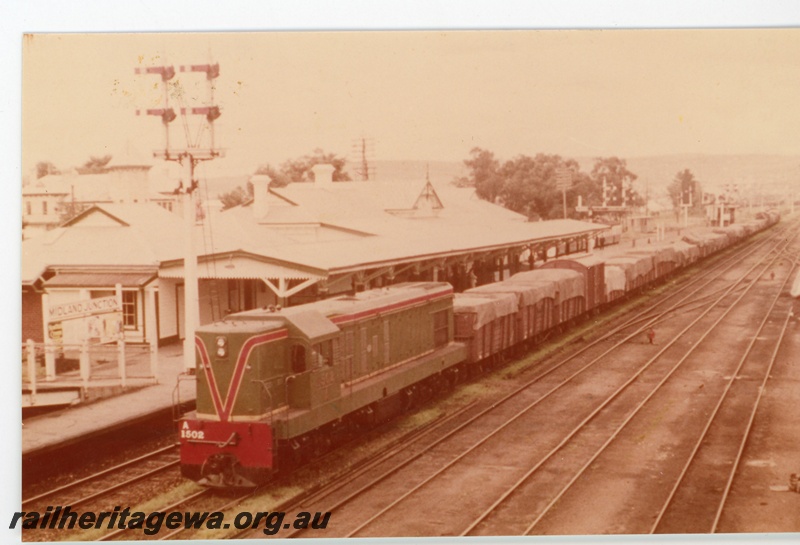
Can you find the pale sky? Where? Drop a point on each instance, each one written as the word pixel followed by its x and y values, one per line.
pixel 423 95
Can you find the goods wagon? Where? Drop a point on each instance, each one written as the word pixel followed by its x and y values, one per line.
pixel 638 270
pixel 664 258
pixel 486 324
pixel 570 297
pixel 592 268
pixel 535 303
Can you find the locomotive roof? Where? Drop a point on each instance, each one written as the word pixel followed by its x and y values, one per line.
pixel 375 299
pixel 315 320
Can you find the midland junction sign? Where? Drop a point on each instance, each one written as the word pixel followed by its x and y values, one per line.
pixel 82 309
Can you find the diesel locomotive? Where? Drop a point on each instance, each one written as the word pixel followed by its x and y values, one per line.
pixel 277 386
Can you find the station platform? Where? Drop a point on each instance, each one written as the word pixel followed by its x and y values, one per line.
pixel 60 428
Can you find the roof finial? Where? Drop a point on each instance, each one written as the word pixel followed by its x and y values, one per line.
pixel 428 172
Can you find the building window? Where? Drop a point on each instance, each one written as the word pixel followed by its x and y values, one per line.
pixel 44 207
pixel 129 309
pixel 28 208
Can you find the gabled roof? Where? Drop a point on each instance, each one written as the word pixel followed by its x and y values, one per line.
pixel 134 235
pixel 90 211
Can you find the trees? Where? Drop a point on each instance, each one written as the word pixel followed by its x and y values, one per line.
pixel 484 174
pixel 527 184
pixel 685 189
pixel 235 197
pixel 43 168
pixel 299 170
pixel 293 170
pixel 530 185
pixel 523 184
pixel 95 165
pixel 618 181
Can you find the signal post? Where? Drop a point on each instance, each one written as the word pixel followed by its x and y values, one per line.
pixel 188 157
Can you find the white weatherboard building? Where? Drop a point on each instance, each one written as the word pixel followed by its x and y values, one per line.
pixel 47 201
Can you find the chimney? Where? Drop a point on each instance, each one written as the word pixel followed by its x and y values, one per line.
pixel 323 174
pixel 260 195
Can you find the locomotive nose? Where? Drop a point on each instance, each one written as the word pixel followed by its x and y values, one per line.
pixel 222 471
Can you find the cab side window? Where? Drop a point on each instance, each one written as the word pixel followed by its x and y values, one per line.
pixel 298 358
pixel 324 353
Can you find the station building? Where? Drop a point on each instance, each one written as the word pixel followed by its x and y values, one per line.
pixel 286 246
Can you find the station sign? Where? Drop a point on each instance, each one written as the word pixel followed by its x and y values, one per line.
pixel 82 309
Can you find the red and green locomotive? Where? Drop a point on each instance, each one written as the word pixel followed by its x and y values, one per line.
pixel 276 386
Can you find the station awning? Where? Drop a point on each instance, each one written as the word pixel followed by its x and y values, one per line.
pixel 100 280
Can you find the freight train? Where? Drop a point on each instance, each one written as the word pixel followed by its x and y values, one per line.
pixel 276 387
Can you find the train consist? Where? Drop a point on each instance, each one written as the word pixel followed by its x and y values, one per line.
pixel 277 386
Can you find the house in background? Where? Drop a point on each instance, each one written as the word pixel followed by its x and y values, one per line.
pixel 52 199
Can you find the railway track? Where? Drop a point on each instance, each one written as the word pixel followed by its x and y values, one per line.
pixel 608 409
pixel 697 499
pixel 96 485
pixel 220 503
pixel 335 504
pixel 523 490
pixel 185 503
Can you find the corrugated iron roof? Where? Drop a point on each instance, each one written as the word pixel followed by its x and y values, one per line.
pixel 100 279
pixel 355 231
pixel 147 236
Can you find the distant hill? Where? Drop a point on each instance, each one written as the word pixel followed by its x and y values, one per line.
pixel 768 172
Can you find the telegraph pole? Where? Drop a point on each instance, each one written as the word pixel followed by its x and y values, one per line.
pixel 362 150
pixel 188 157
